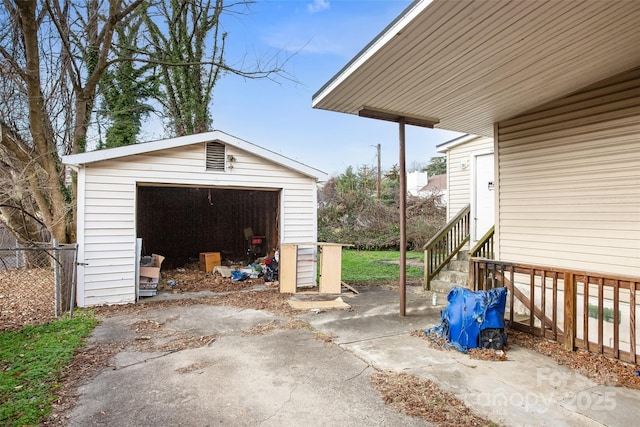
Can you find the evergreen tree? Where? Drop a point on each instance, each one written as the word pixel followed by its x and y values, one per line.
pixel 124 88
pixel 437 166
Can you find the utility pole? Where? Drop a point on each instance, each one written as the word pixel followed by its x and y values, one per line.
pixel 379 174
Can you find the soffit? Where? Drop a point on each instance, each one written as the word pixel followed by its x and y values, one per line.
pixel 469 64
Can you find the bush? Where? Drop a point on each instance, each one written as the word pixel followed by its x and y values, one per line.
pixel 359 218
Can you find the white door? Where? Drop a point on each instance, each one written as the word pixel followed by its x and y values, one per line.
pixel 483 206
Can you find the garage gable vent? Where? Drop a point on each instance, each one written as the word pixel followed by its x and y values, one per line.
pixel 215 156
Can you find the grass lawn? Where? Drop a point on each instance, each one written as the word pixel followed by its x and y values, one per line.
pixel 32 363
pixel 360 267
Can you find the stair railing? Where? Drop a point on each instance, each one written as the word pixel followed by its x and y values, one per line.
pixel 446 244
pixel 484 247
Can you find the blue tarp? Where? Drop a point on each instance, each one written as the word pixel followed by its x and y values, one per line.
pixel 469 313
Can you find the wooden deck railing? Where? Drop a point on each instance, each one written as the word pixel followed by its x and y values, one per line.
pixel 445 245
pixel 595 312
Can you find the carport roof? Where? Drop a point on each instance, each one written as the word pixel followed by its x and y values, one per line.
pixel 469 64
pixel 213 136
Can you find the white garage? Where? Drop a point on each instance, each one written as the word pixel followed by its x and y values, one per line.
pixel 181 197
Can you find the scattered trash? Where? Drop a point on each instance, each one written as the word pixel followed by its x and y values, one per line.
pixel 238 275
pixel 434 299
pixel 172 285
pixel 316 310
pixel 336 303
pixel 270 269
pixel 222 270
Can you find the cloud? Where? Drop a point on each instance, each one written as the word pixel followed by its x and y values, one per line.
pixel 318 5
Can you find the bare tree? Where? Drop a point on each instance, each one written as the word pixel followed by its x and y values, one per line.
pixel 52 55
pixel 187 43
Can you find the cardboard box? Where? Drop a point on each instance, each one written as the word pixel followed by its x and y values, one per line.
pixel 209 260
pixel 152 271
pixel 150 276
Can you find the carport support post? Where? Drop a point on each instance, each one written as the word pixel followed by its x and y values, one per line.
pixel 403 219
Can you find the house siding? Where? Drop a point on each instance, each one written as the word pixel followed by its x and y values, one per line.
pixel 569 181
pixel 459 177
pixel 107 194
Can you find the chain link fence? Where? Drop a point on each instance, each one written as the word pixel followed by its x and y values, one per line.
pixel 36 283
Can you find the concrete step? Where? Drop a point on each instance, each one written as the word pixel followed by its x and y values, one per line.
pixel 453 276
pixel 443 287
pixel 463 255
pixel 458 265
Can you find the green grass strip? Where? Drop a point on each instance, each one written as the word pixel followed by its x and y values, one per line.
pixel 366 266
pixel 32 363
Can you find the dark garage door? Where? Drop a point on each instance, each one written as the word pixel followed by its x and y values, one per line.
pixel 181 222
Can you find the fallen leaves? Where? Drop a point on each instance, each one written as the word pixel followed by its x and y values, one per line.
pixel 27 296
pixel 424 399
pixel 598 367
pixel 190 279
pixel 601 369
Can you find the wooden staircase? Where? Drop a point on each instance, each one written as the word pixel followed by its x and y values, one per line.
pixel 454 274
pixel 447 254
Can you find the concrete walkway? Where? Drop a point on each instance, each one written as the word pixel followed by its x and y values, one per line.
pixel 289 377
pixel 528 389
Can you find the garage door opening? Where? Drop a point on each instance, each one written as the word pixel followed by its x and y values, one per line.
pixel 181 222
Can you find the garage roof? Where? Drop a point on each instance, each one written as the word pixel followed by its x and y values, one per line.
pixel 213 136
pixel 469 64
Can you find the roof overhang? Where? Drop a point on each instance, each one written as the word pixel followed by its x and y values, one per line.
pixel 82 159
pixel 465 65
pixel 461 140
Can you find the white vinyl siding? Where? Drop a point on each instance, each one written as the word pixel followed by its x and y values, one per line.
pixel 459 168
pixel 569 181
pixel 107 233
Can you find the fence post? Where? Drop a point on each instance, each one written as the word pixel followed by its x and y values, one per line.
pixel 57 275
pixel 570 296
pixel 74 277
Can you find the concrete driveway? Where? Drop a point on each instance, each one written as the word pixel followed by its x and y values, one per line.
pixel 283 377
pixel 201 365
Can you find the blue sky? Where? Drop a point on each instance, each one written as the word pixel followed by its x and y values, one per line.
pixel 325 35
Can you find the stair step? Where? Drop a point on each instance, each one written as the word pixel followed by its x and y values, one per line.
pixel 442 286
pixel 453 276
pixel 458 265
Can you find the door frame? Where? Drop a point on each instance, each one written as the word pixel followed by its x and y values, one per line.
pixel 473 191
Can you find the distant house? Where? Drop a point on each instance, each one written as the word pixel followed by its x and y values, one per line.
pixel 436 186
pixel 416 181
pixel 179 197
